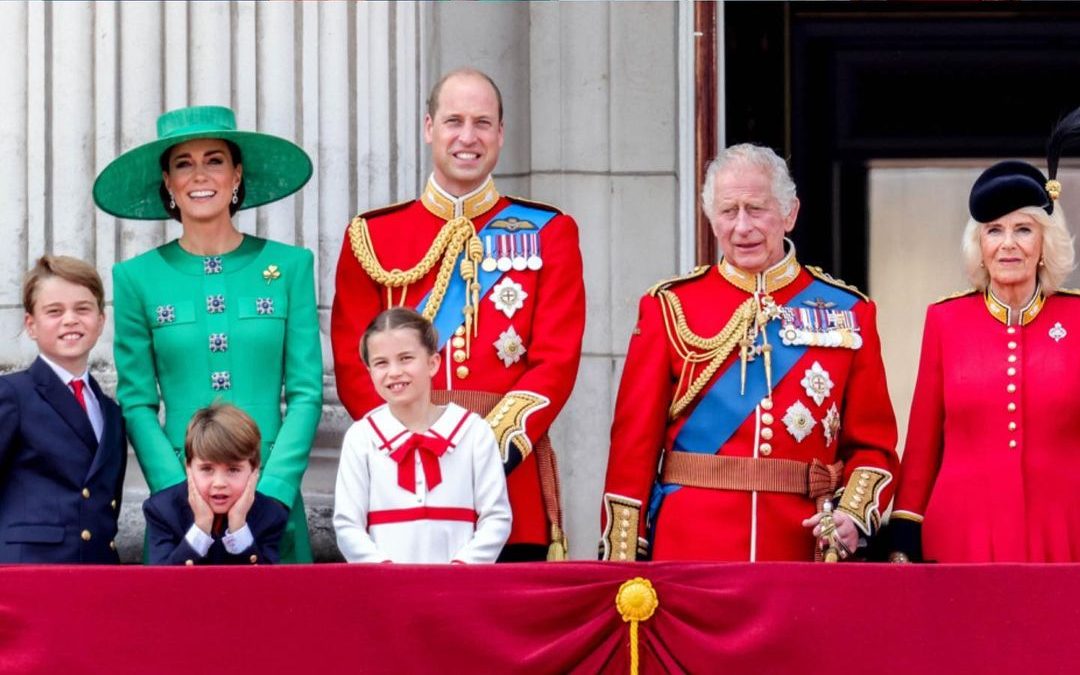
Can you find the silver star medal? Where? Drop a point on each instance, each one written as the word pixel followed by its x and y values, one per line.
pixel 831 425
pixel 817 383
pixel 799 421
pixel 1058 332
pixel 509 347
pixel 508 297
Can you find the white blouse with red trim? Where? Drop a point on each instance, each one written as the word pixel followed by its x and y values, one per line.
pixel 463 517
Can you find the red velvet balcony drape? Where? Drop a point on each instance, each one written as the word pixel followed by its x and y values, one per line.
pixel 540 618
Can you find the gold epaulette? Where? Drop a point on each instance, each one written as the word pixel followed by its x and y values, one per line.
pixel 383 210
pixel 1069 291
pixel 821 274
pixel 534 203
pixel 954 296
pixel 667 283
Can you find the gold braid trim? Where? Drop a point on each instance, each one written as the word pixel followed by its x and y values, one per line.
pixel 694 349
pixel 456 235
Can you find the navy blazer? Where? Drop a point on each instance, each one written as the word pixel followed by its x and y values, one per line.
pixel 60 489
pixel 169 517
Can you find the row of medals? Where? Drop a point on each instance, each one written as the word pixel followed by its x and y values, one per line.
pixel 514 253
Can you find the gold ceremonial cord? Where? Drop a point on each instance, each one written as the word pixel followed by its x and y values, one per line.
pixel 456 235
pixel 715 350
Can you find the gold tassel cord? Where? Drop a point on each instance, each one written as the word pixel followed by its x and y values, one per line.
pixel 456 236
pixel 714 350
pixel 636 601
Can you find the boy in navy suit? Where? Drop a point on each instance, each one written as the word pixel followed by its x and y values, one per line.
pixel 62 447
pixel 216 517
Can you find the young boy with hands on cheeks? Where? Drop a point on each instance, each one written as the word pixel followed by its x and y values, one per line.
pixel 216 517
pixel 418 482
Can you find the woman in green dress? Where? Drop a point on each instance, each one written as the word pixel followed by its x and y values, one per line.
pixel 216 314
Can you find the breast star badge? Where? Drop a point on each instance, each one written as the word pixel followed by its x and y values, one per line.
pixel 817 383
pixel 508 297
pixel 1058 332
pixel 509 347
pixel 831 425
pixel 799 421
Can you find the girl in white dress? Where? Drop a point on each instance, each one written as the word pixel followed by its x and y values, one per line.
pixel 418 482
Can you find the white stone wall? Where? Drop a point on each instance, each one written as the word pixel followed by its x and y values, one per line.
pixel 592 125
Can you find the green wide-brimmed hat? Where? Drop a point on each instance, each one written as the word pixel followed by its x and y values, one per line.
pixel 273 167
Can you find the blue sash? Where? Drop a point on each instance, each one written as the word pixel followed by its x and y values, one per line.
pixel 449 316
pixel 721 410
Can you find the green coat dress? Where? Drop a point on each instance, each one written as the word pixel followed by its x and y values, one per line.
pixel 240 327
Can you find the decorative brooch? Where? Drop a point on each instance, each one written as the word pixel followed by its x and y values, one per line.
pixel 508 297
pixel 817 383
pixel 510 347
pixel 799 421
pixel 165 314
pixel 271 273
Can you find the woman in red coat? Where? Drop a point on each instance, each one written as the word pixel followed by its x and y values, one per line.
pixel 991 467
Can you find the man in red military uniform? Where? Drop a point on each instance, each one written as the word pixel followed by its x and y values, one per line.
pixel 759 384
pixel 501 279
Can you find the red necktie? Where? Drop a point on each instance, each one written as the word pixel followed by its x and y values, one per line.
pixel 430 449
pixel 77 387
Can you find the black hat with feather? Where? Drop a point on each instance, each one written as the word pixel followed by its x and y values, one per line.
pixel 1013 184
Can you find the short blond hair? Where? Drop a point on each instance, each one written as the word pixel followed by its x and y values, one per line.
pixel 222 433
pixel 1058 255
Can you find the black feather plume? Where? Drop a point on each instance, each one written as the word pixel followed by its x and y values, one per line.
pixel 1065 134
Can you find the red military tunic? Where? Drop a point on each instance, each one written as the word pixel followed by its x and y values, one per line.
pixel 992 459
pixel 548 325
pixel 798 422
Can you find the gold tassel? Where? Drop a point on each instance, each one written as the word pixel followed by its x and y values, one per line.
pixel 636 602
pixel 559 546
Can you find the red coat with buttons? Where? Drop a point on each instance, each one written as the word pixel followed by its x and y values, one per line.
pixel 992 459
pixel 550 323
pixel 711 524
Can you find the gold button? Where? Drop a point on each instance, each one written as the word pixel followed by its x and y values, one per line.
pixel 113 504
pixel 1010 372
pixel 766 404
pixel 1012 443
pixel 86 493
pixel 1012 358
pixel 85 535
pixel 458 342
pixel 459 356
pixel 460 332
pixel 1011 388
pixel 766 418
pixel 1011 330
pixel 1012 407
pixel 1012 426
pixel 765 449
pixel 189 561
pixel 1012 345
pixel 766 433
pixel 112 545
pixel 254 558
pixel 463 372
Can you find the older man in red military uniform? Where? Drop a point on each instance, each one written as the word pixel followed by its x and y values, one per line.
pixel 501 279
pixel 759 384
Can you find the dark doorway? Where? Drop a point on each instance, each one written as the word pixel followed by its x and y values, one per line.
pixel 834 85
